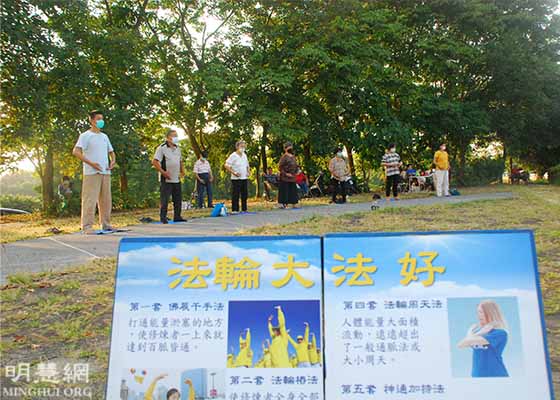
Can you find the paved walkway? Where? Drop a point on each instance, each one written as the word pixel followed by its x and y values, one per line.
pixel 57 252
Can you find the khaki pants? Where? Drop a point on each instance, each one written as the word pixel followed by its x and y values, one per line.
pixel 442 182
pixel 96 189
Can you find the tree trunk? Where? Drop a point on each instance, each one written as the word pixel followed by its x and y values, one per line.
pixel 47 182
pixel 308 166
pixel 258 192
pixel 192 139
pixel 264 142
pixel 350 159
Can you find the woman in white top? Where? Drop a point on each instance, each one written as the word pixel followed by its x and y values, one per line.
pixel 238 166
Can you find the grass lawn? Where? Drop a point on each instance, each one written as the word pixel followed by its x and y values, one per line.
pixel 66 316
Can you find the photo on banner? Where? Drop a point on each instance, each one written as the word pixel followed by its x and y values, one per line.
pixel 449 315
pixel 217 318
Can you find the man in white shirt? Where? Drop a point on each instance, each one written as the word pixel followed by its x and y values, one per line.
pixel 204 179
pixel 238 166
pixel 169 163
pixel 96 153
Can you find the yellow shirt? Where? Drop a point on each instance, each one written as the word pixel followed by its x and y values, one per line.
pixel 191 392
pixel 279 346
pixel 302 351
pixel 149 395
pixel 267 361
pixel 441 160
pixel 245 356
pixel 313 356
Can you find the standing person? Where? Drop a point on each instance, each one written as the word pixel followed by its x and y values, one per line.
pixel 339 174
pixel 302 348
pixel 312 349
pixel 96 153
pixel 237 165
pixel 280 357
pixel 169 163
pixel 204 179
pixel 245 356
pixel 441 161
pixel 392 162
pixel 287 188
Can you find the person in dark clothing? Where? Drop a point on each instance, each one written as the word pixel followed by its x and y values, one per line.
pixel 392 163
pixel 168 161
pixel 204 179
pixel 288 167
pixel 237 165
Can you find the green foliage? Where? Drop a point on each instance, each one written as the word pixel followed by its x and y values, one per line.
pixel 483 171
pixel 20 202
pixel 554 175
pixel 321 74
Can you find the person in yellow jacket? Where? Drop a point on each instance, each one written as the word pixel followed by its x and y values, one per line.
pixel 312 350
pixel 293 361
pixel 230 360
pixel 441 161
pixel 301 347
pixel 172 394
pixel 191 390
pixel 279 346
pixel 245 357
pixel 267 360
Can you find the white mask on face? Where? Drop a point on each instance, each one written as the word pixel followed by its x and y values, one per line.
pixel 242 150
pixel 175 140
pixel 339 154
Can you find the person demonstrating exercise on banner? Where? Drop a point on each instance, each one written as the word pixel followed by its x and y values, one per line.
pixel 172 394
pixel 279 346
pixel 312 351
pixel 267 359
pixel 487 338
pixel 301 347
pixel 192 394
pixel 245 357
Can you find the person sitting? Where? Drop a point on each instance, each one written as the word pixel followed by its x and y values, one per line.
pixel 518 175
pixel 302 182
pixel 270 183
pixel 410 171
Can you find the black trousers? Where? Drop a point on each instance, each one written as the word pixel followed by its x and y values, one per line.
pixel 287 193
pixel 339 187
pixel 392 182
pixel 201 187
pixel 167 189
pixel 238 190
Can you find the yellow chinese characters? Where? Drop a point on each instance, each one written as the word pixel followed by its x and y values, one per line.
pixel 360 271
pixel 244 274
pixel 192 271
pixel 291 266
pixel 410 270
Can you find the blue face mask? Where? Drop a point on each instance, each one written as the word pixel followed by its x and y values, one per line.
pixel 100 123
